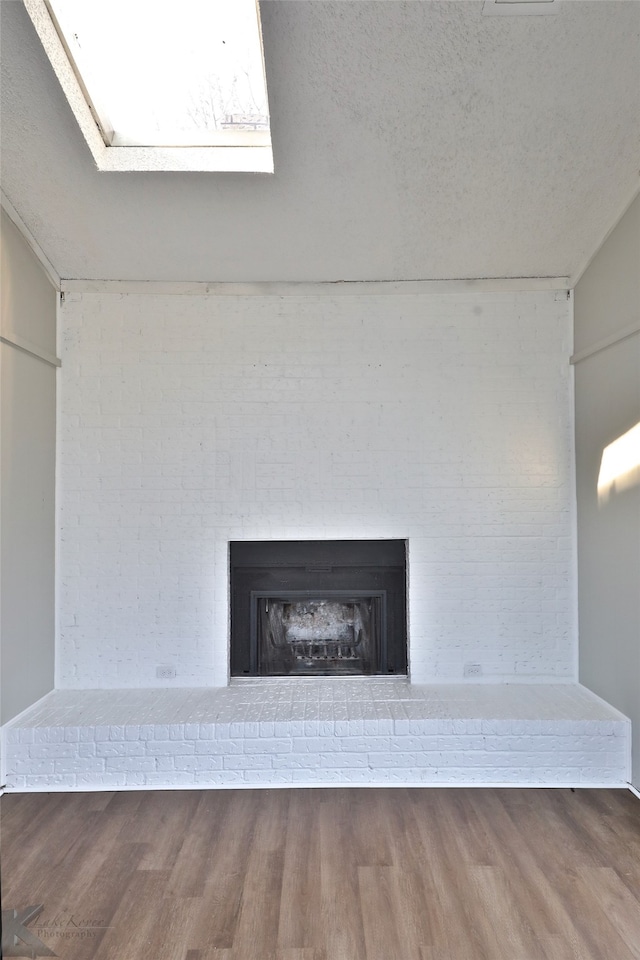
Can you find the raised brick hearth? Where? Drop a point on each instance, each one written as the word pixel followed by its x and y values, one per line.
pixel 318 731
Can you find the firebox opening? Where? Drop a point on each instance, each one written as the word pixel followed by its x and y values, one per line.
pixel 335 633
pixel 318 608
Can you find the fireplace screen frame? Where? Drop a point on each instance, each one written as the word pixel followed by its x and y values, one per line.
pixel 317 569
pixel 377 640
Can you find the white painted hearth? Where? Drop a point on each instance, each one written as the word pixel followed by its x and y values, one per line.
pixel 318 732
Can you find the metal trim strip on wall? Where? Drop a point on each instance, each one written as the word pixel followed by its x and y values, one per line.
pixel 604 344
pixel 33 351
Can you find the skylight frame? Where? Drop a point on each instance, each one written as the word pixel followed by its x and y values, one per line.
pixel 249 155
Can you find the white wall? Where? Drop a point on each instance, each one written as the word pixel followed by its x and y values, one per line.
pixel 607 301
pixel 27 478
pixel 194 420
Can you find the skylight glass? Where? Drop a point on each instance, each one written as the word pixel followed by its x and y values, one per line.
pixel 169 73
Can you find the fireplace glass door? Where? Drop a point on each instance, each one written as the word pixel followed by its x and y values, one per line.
pixel 335 633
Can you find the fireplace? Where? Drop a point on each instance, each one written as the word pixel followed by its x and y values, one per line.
pixel 308 634
pixel 318 608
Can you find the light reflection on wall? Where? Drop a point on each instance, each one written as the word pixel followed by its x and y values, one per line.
pixel 620 464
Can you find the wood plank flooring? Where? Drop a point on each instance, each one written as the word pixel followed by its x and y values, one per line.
pixel 327 874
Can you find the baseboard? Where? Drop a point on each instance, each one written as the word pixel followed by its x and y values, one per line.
pixel 634 791
pixel 333 785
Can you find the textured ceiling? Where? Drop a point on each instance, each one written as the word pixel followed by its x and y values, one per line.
pixel 414 140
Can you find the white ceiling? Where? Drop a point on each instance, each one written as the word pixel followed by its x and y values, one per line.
pixel 414 140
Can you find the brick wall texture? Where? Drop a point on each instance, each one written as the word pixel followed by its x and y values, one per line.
pixel 190 421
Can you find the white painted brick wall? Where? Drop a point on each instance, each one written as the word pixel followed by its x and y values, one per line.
pixel 190 421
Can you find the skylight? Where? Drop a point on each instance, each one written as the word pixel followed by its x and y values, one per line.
pixel 173 84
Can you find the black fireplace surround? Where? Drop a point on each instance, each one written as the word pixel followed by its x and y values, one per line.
pixel 318 608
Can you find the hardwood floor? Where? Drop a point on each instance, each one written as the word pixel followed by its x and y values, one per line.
pixel 362 874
